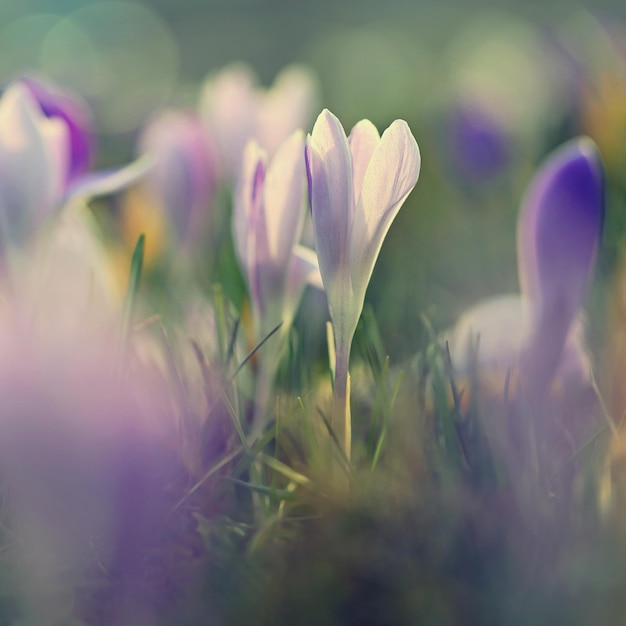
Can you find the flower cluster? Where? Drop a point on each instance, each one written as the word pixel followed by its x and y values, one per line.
pixel 107 432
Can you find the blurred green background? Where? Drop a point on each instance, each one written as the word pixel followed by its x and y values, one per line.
pixel 538 73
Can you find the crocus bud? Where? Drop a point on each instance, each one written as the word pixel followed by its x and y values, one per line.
pixel 183 179
pixel 558 235
pixel 235 109
pixel 267 226
pixel 33 165
pixel 77 117
pixel 356 187
pixel 478 143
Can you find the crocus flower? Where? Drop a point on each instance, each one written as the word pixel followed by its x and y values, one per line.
pixel 85 456
pixel 77 118
pixel 35 157
pixel 234 109
pixel 183 180
pixel 267 225
pixel 478 142
pixel 356 187
pixel 559 231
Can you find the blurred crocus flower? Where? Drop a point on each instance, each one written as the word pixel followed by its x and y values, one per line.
pixel 76 116
pixel 267 226
pixel 559 232
pixel 478 143
pixel 356 187
pixel 85 455
pixel 35 158
pixel 235 109
pixel 183 180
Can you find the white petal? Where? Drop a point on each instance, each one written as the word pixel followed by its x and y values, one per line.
pixel 287 106
pixel 329 169
pixel 390 176
pixel 33 163
pixel 284 199
pixel 303 270
pixel 364 139
pixel 501 327
pixel 248 220
pixel 228 106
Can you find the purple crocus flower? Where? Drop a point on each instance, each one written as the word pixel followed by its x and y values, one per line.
pixel 184 177
pixel 478 144
pixel 33 160
pixel 77 117
pixel 559 232
pixel 85 455
pixel 356 187
pixel 35 157
pixel 267 226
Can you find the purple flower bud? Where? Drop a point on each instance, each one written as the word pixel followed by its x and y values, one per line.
pixel 184 176
pixel 77 117
pixel 33 165
pixel 267 225
pixel 478 144
pixel 558 235
pixel 560 226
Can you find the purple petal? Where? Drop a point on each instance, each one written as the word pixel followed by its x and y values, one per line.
pixel 558 236
pixel 560 226
pixel 77 117
pixel 478 145
pixel 184 178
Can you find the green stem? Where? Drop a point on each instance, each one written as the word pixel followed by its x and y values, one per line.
pixel 341 419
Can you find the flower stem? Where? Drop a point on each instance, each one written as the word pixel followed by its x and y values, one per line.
pixel 341 419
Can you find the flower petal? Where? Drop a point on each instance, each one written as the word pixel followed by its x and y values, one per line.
pixel 106 182
pixel 77 117
pixel 284 199
pixel 33 162
pixel 490 335
pixel 329 171
pixel 228 106
pixel 560 227
pixel 286 106
pixel 363 140
pixel 247 218
pixel 558 236
pixel 303 270
pixel 389 178
pixel 184 178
